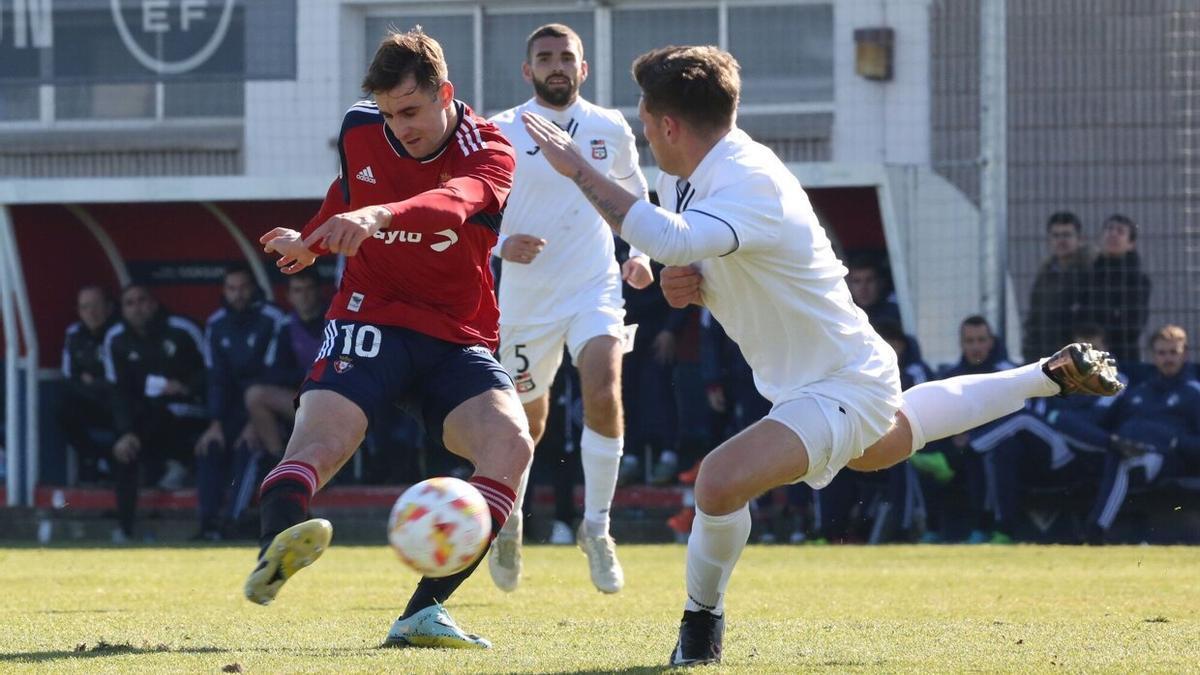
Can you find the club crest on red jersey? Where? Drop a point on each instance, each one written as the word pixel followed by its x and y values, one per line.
pixel 598 149
pixel 343 364
pixel 443 178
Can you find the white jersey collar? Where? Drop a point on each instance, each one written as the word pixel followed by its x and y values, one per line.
pixel 702 178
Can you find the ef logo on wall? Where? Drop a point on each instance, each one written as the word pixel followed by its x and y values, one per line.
pixel 162 18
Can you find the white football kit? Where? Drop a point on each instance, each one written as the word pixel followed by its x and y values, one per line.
pixel 571 292
pixel 771 278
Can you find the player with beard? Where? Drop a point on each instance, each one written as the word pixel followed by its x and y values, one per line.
pixel 562 286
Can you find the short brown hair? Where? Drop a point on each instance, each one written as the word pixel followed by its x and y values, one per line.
pixel 401 55
pixel 558 30
pixel 698 84
pixel 1169 333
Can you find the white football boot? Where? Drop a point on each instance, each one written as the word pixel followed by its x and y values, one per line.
pixel 601 552
pixel 504 560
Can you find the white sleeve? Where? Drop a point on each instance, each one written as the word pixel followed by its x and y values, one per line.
pixel 744 216
pixel 625 169
pixel 676 238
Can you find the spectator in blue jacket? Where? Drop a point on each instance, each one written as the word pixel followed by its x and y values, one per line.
pixel 1151 432
pixel 238 339
pixel 270 402
pixel 956 460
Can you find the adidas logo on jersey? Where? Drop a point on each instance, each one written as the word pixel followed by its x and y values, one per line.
pixel 366 175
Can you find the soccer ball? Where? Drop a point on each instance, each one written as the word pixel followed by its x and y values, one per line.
pixel 439 526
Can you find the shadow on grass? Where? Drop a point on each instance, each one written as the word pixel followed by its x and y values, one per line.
pixel 104 649
pixel 629 670
pixel 108 649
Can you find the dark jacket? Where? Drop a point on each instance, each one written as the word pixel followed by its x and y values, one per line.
pixel 83 352
pixel 913 369
pixel 239 348
pixel 137 366
pixel 1163 412
pixel 297 344
pixel 1119 300
pixel 1056 304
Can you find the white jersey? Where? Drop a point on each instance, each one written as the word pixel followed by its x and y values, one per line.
pixel 576 269
pixel 780 293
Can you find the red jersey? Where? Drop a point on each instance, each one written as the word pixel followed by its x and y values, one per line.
pixel 430 270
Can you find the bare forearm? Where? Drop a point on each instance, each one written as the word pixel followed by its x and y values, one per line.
pixel 611 200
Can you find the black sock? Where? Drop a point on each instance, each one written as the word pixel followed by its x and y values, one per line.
pixel 499 498
pixel 283 499
pixel 432 590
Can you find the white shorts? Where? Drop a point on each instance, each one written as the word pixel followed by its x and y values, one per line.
pixel 834 433
pixel 532 353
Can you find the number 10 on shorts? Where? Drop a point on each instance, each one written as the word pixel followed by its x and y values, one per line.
pixel 362 340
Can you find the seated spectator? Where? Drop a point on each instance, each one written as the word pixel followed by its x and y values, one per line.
pixel 1151 432
pixel 271 400
pixel 870 288
pixel 1056 302
pixel 239 339
pixel 85 412
pixel 154 361
pixel 955 462
pixel 1119 295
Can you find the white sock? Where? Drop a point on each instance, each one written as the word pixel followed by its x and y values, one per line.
pixel 513 524
pixel 713 549
pixel 943 408
pixel 601 457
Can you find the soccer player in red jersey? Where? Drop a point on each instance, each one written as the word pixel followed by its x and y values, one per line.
pixel 416 210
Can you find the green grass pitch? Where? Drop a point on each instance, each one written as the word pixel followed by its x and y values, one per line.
pixel 790 609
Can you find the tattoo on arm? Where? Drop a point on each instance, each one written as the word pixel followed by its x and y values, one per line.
pixel 610 209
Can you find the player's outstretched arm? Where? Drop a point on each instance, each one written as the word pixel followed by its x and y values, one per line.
pixel 345 232
pixel 611 200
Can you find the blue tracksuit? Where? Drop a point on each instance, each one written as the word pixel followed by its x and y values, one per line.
pixel 238 352
pixel 1164 414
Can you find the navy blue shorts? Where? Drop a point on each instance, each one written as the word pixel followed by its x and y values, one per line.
pixel 383 368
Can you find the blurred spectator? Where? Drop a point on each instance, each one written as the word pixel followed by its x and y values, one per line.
pixel 271 401
pixel 1056 303
pixel 733 399
pixel 904 502
pixel 734 404
pixel 954 462
pixel 870 288
pixel 1151 432
pixel 154 361
pixel 86 412
pixel 1067 414
pixel 1119 295
pixel 648 382
pixel 239 340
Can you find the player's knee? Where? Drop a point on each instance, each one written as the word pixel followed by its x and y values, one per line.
pixel 512 454
pixel 715 494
